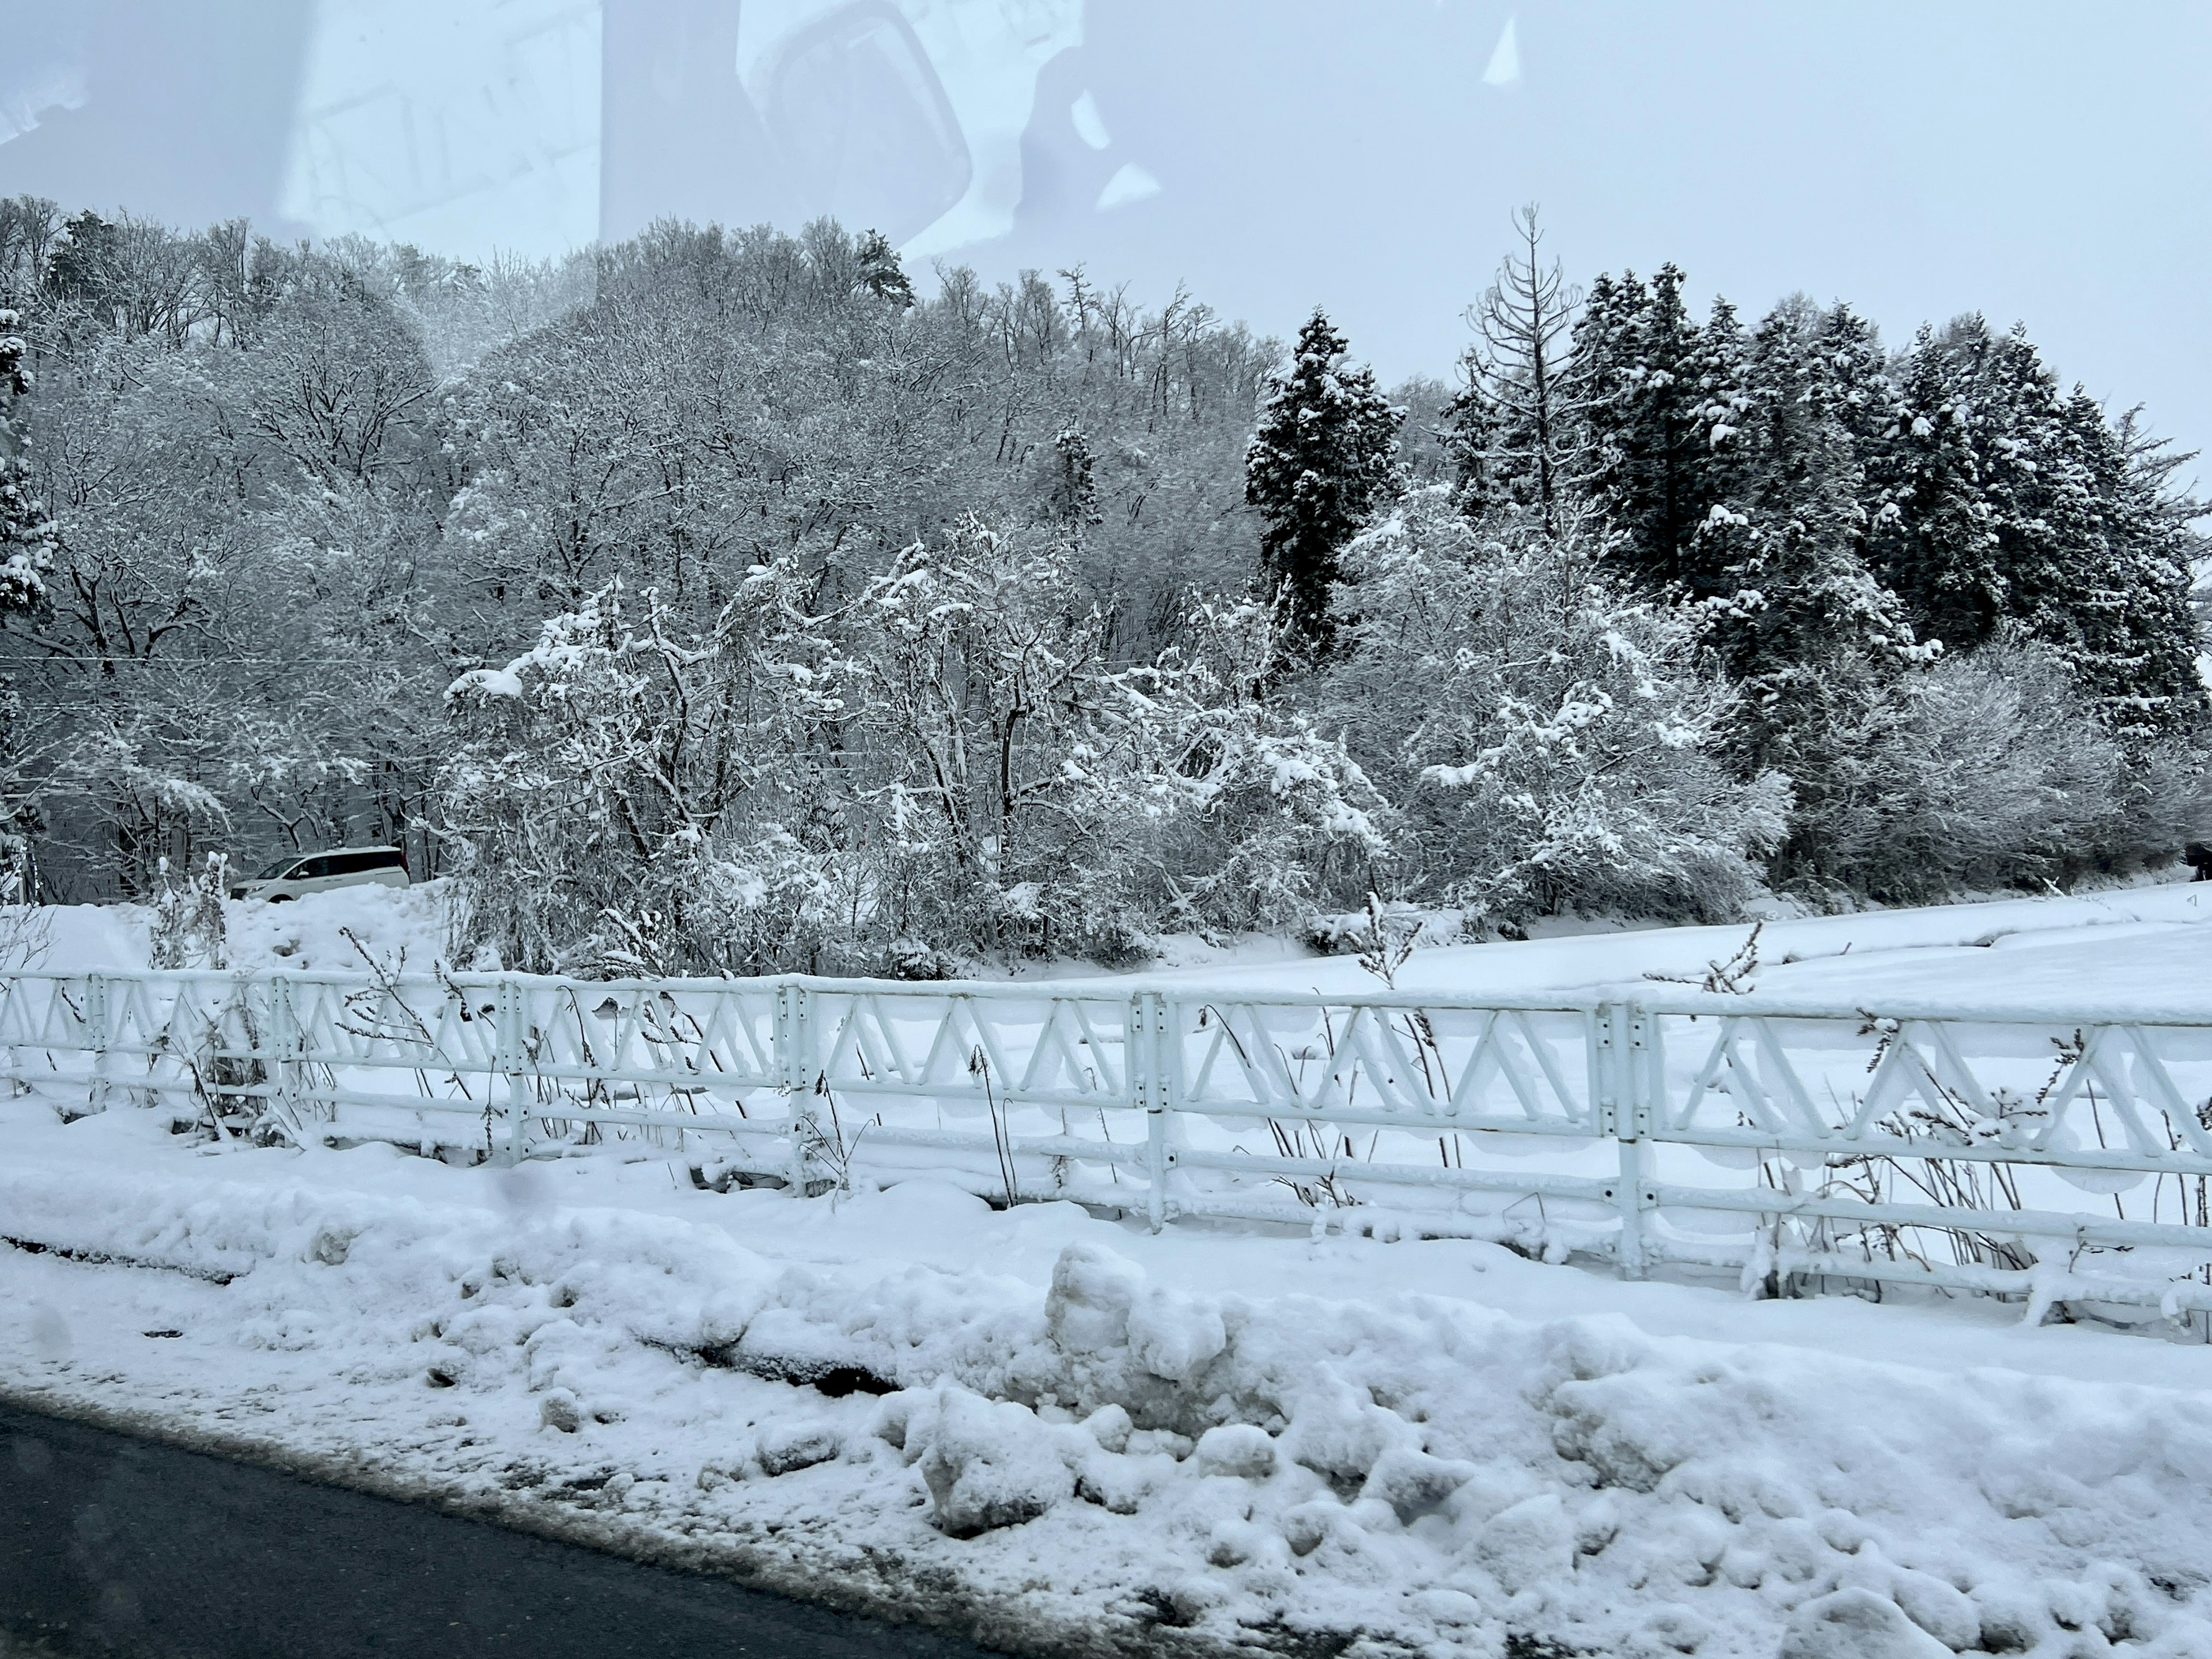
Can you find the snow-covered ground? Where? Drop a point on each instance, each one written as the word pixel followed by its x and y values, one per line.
pixel 2136 946
pixel 1075 1435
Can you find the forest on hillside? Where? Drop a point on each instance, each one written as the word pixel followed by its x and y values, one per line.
pixel 727 601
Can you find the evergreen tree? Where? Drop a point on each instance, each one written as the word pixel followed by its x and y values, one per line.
pixel 881 273
pixel 2013 507
pixel 1327 444
pixel 2135 638
pixel 1652 390
pixel 1803 627
pixel 1072 482
pixel 1933 540
pixel 26 534
pixel 1857 388
pixel 27 546
pixel 1511 430
pixel 1802 616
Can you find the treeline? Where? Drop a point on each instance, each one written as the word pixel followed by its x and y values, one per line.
pixel 715 602
pixel 1951 602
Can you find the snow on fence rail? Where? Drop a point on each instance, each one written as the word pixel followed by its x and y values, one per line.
pixel 1804 1146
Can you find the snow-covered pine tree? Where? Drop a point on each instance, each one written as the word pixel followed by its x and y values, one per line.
pixel 1511 430
pixel 1854 372
pixel 1654 390
pixel 27 534
pixel 2134 634
pixel 2012 507
pixel 27 538
pixel 1803 627
pixel 1325 447
pixel 1071 482
pixel 1934 540
pixel 881 272
pixel 1794 486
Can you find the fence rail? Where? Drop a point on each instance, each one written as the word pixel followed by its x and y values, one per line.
pixel 1962 1148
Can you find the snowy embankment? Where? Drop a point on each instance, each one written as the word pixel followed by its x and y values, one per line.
pixel 1072 1435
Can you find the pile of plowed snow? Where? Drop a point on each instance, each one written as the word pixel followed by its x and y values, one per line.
pixel 1082 1455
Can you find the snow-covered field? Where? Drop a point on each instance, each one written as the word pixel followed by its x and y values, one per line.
pixel 1070 1434
pixel 2134 945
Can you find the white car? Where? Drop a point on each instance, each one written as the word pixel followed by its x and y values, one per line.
pixel 318 873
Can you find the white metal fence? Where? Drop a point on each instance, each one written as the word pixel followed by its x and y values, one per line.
pixel 2062 1160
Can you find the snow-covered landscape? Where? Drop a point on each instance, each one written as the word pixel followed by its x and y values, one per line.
pixel 1075 1435
pixel 1191 955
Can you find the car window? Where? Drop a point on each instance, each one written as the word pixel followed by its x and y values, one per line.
pixel 363 862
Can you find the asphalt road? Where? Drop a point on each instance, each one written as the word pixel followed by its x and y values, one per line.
pixel 111 1545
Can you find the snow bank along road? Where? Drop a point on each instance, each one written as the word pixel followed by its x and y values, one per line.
pixel 1061 1433
pixel 111 1544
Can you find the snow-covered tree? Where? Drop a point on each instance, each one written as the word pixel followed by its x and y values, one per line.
pixel 1801 625
pixel 881 273
pixel 27 537
pixel 2140 655
pixel 1983 770
pixel 2012 507
pixel 945 761
pixel 1513 428
pixel 1325 447
pixel 27 534
pixel 1551 739
pixel 305 488
pixel 1653 398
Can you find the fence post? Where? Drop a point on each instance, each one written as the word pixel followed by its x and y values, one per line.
pixel 282 1042
pixel 1148 1065
pixel 795 1059
pixel 1605 1070
pixel 512 1013
pixel 1631 1115
pixel 95 1020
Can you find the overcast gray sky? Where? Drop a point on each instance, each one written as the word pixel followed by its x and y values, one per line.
pixel 2035 162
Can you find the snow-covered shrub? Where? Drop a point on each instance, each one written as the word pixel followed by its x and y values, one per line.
pixel 1014 773
pixel 1550 738
pixel 188 929
pixel 1274 815
pixel 1982 770
pixel 618 802
pixel 944 761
